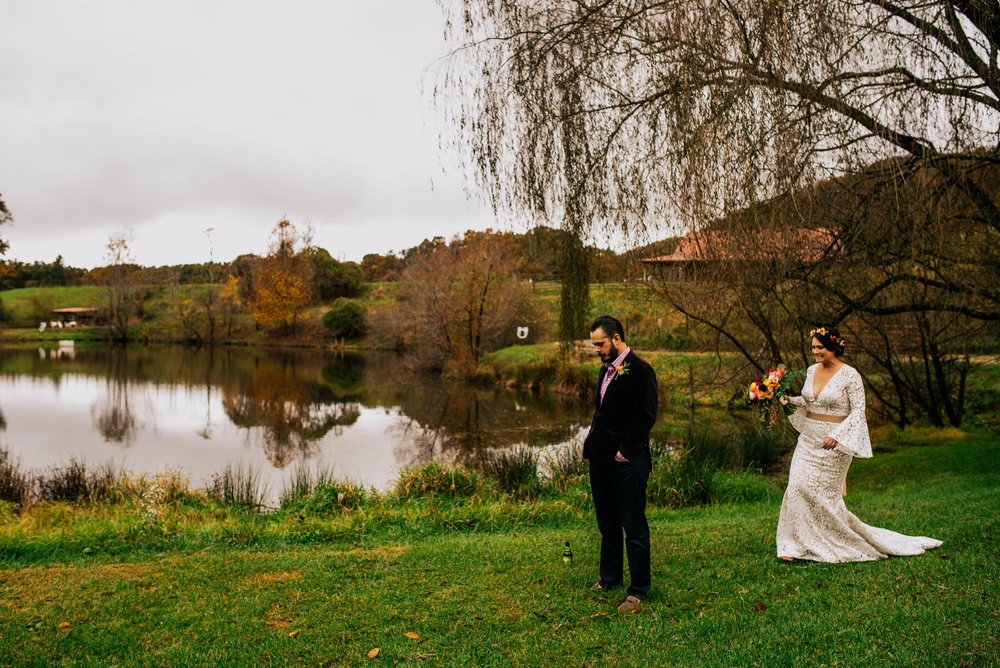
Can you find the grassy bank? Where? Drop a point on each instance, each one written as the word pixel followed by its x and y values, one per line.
pixel 478 580
pixel 705 381
pixel 165 314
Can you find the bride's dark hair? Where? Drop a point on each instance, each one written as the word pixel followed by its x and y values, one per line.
pixel 830 338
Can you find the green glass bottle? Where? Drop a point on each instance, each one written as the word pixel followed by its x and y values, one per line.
pixel 567 555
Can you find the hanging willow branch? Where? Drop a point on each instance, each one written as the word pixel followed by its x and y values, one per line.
pixel 691 110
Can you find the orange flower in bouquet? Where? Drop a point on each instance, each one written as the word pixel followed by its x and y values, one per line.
pixel 764 396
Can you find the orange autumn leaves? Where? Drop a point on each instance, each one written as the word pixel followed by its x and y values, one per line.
pixel 375 650
pixel 282 288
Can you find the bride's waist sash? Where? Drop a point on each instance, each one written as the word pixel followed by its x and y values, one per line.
pixel 820 417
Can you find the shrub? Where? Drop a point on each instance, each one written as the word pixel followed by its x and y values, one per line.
pixel 346 318
pixel 433 479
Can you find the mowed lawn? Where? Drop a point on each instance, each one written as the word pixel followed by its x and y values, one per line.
pixel 720 597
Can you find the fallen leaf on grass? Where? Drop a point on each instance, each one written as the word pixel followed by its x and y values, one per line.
pixel 411 635
pixel 64 625
pixel 760 607
pixel 292 634
pixel 599 614
pixel 372 654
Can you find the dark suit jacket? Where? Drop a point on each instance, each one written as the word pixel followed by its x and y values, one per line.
pixel 622 422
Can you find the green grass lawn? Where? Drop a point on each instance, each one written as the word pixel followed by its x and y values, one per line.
pixel 29 306
pixel 291 589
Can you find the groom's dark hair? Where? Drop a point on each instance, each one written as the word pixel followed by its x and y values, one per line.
pixel 611 326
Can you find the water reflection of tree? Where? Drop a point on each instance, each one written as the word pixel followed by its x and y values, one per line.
pixel 115 419
pixel 292 408
pixel 462 423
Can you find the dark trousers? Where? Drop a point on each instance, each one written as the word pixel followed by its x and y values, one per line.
pixel 619 491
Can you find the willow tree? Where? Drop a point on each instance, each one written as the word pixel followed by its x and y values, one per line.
pixel 624 112
pixel 628 115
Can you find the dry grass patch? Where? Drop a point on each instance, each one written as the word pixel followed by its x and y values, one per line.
pixel 29 587
pixel 371 553
pixel 270 578
pixel 278 617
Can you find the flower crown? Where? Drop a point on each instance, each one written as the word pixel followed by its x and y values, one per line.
pixel 822 331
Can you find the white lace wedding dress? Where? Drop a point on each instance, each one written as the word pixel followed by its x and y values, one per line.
pixel 814 523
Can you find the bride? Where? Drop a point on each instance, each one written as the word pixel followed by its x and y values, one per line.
pixel 830 417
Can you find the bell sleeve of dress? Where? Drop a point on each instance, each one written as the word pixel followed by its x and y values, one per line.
pixel 797 418
pixel 852 434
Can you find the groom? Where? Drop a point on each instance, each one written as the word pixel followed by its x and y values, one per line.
pixel 618 449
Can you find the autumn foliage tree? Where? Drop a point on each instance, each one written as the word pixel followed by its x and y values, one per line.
pixel 460 301
pixel 282 285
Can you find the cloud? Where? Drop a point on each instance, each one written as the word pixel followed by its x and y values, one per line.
pixel 224 114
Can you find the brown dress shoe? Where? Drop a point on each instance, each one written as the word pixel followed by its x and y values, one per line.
pixel 597 586
pixel 630 604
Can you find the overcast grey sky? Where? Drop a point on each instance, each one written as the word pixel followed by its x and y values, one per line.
pixel 172 117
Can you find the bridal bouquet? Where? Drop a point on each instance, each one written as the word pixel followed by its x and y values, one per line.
pixel 764 396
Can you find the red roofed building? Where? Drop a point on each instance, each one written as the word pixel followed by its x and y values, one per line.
pixel 699 249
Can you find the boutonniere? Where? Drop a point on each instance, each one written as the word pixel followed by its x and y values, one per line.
pixel 622 369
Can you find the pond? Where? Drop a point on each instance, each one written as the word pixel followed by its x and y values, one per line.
pixel 145 409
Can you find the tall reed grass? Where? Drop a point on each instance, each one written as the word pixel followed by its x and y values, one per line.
pixel 691 473
pixel 317 490
pixel 433 479
pixel 737 450
pixel 303 481
pixel 15 484
pixel 65 483
pixel 680 479
pixel 686 473
pixel 76 483
pixel 240 486
pixel 515 471
pixel 561 468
